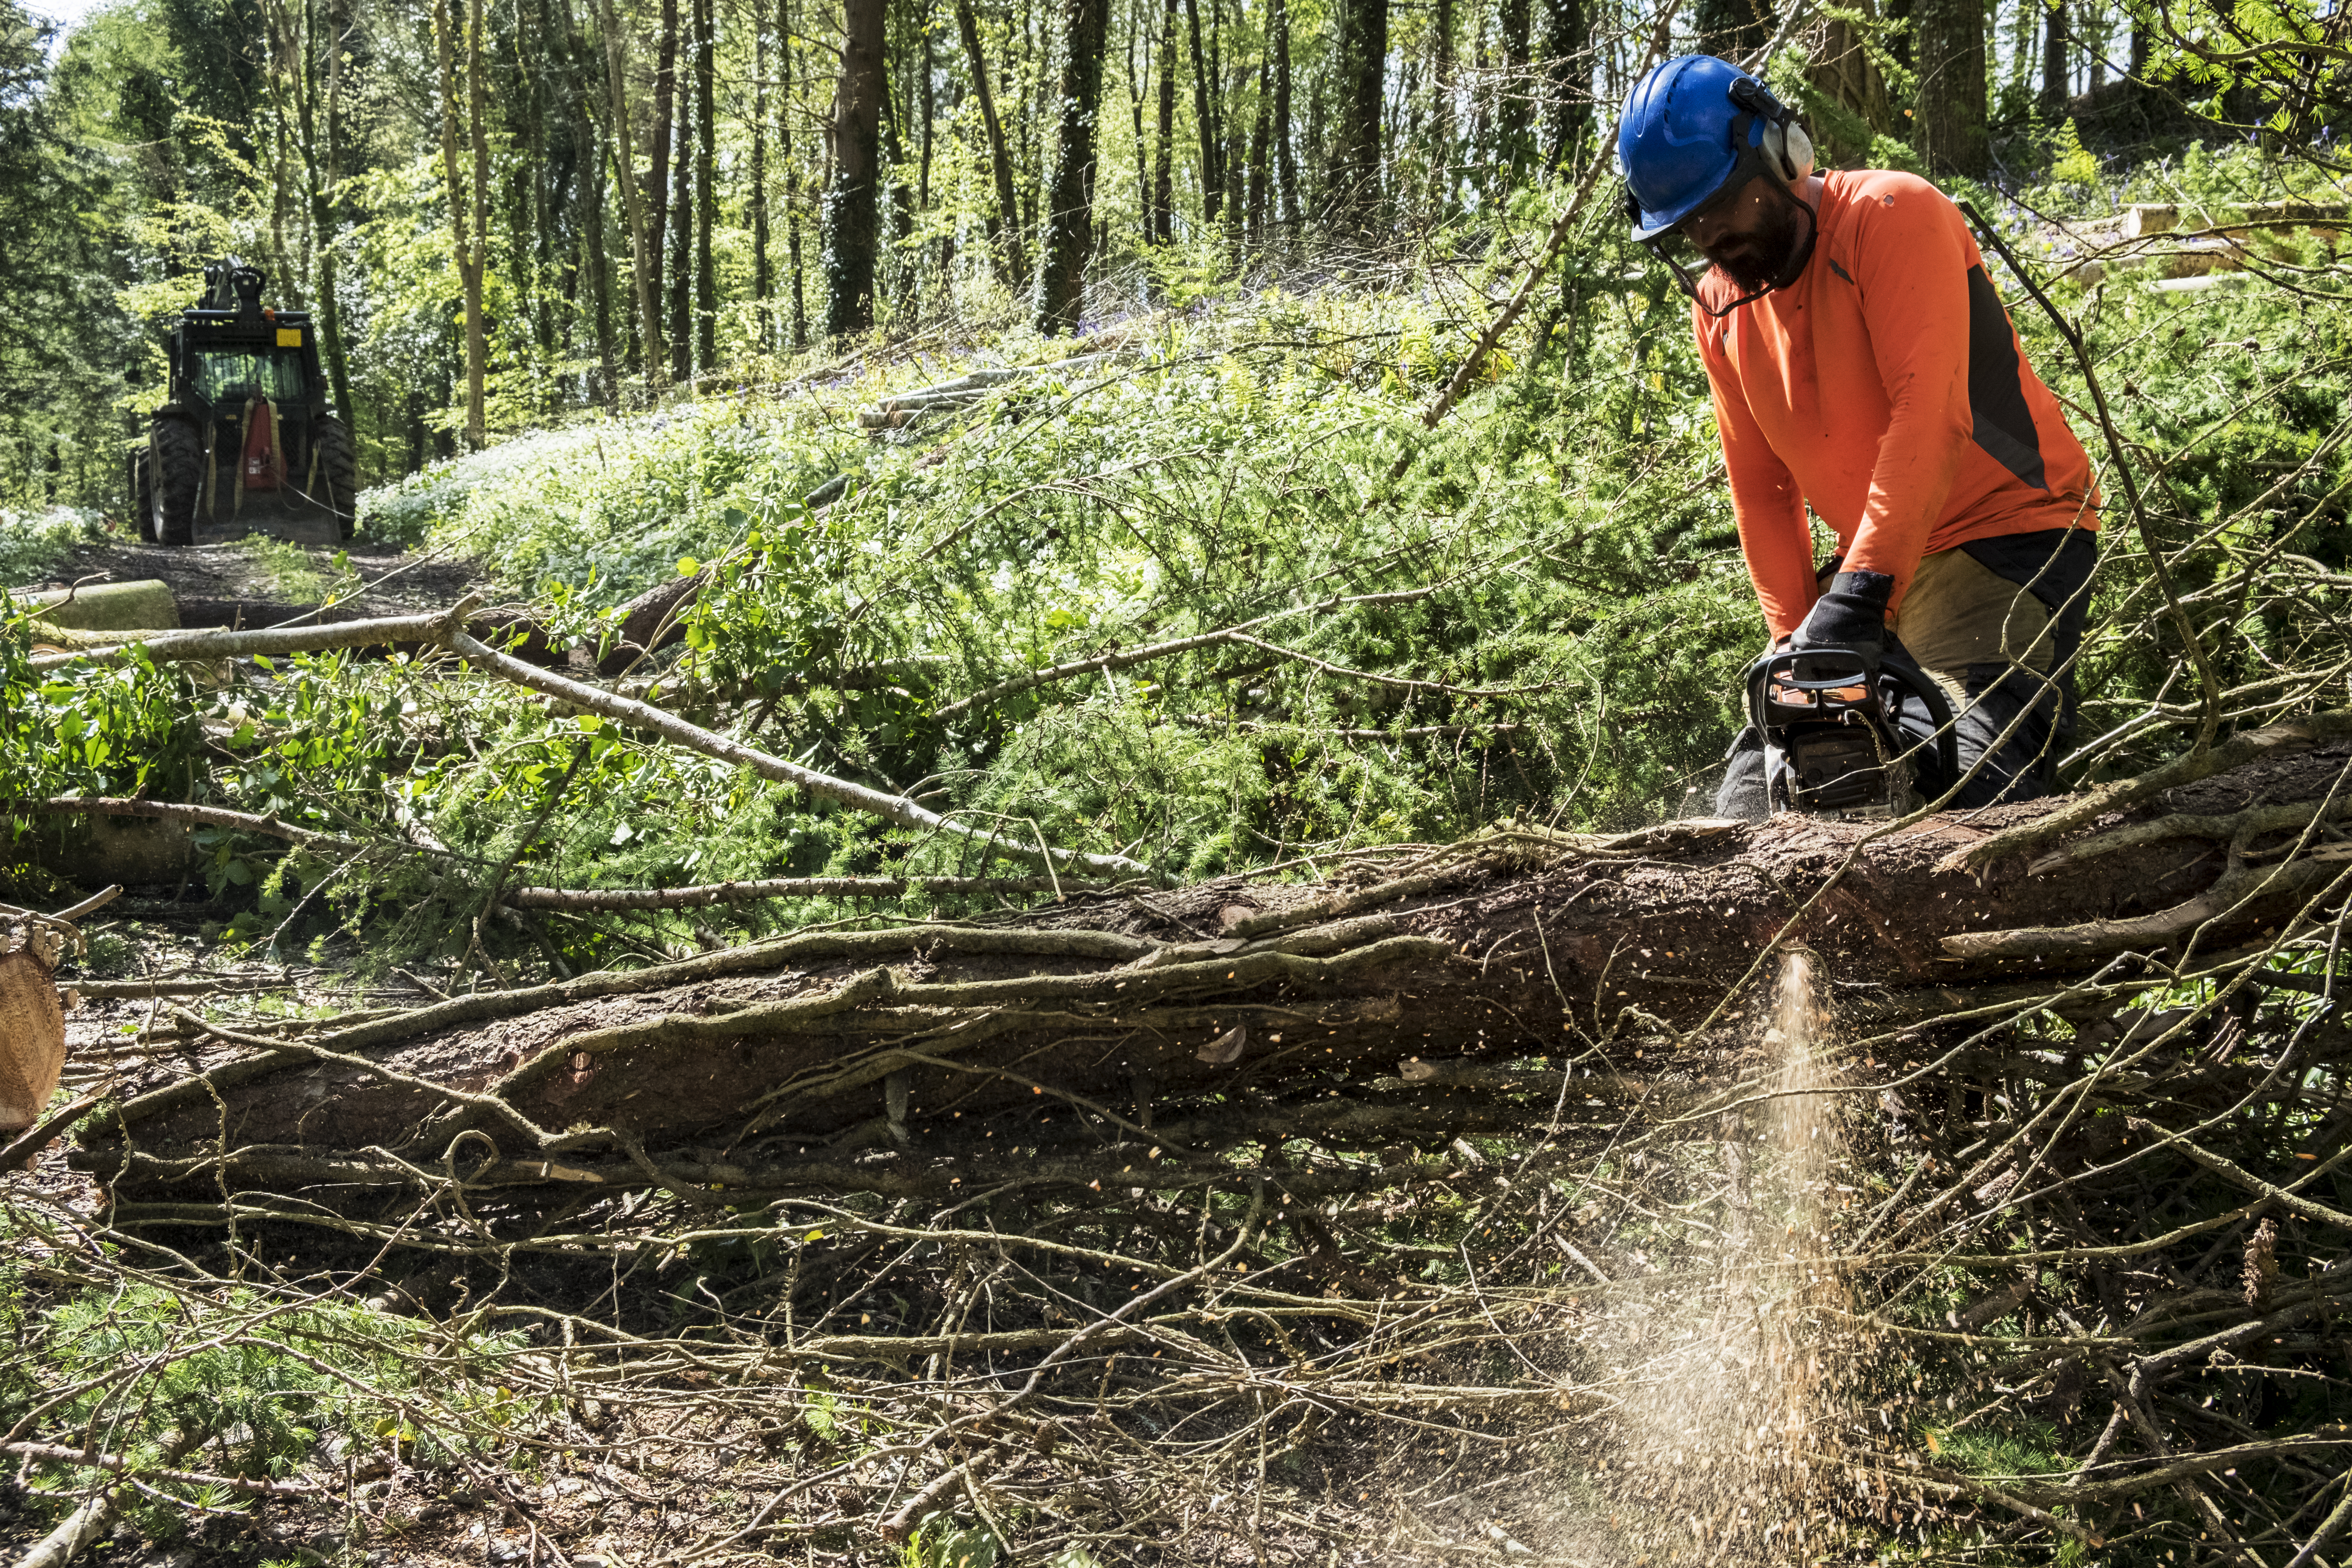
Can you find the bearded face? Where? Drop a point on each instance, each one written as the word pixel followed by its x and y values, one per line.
pixel 1754 235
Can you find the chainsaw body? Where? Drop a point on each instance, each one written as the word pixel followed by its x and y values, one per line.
pixel 1844 736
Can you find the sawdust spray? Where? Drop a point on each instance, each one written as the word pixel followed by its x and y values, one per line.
pixel 1724 1374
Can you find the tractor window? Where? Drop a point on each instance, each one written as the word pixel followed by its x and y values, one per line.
pixel 224 376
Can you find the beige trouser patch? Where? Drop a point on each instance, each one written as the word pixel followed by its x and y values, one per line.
pixel 1959 612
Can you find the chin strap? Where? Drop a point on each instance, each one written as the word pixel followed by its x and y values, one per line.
pixel 1788 275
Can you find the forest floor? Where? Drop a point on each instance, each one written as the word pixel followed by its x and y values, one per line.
pixel 232 563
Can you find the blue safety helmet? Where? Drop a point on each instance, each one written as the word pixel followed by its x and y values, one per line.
pixel 1689 126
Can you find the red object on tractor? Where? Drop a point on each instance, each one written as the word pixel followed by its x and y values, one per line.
pixel 261 457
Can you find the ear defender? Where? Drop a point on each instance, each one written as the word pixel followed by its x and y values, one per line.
pixel 1789 148
pixel 1781 140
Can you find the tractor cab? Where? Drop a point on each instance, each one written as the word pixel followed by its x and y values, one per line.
pixel 245 438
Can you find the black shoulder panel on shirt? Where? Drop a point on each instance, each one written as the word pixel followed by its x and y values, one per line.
pixel 2004 425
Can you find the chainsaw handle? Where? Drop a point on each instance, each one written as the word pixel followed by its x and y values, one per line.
pixel 1780 669
pixel 1865 670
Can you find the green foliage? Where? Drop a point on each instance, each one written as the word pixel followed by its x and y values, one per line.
pixel 34 543
pixel 2071 164
pixel 263 1380
pixel 294 572
pixel 90 728
pixel 942 1542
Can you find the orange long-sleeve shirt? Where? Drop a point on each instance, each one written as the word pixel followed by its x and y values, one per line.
pixel 1887 389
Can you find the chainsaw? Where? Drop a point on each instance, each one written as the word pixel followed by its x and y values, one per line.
pixel 1850 737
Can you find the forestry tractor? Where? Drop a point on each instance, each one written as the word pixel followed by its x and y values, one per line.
pixel 245 436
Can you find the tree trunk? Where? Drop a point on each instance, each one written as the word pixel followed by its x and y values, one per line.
pixel 2057 71
pixel 792 175
pixel 1261 133
pixel 762 273
pixel 1358 69
pixel 679 270
pixel 1444 179
pixel 706 188
pixel 625 175
pixel 924 65
pixel 466 210
pixel 658 200
pixel 1514 134
pixel 1204 120
pixel 1842 72
pixel 597 264
pixel 1898 12
pixel 1286 166
pixel 531 217
pixel 321 163
pixel 853 215
pixel 900 265
pixel 1138 39
pixel 477 127
pixel 1734 30
pixel 1362 1014
pixel 1234 158
pixel 1566 33
pixel 1163 175
pixel 1950 124
pixel 1070 188
pixel 1004 223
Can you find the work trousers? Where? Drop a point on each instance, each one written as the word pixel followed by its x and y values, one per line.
pixel 1989 621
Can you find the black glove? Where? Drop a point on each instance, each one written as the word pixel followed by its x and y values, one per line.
pixel 1851 617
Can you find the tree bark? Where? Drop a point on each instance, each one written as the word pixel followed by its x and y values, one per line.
pixel 1514 138
pixel 1950 110
pixel 468 211
pixel 1382 1010
pixel 2057 71
pixel 1286 166
pixel 791 175
pixel 763 274
pixel 706 188
pixel 1004 223
pixel 642 244
pixel 678 271
pixel 594 259
pixel 657 202
pixel 1843 72
pixel 1566 32
pixel 1358 69
pixel 1735 29
pixel 893 260
pixel 1164 176
pixel 853 215
pixel 323 163
pixel 1070 188
pixel 1204 122
pixel 1261 133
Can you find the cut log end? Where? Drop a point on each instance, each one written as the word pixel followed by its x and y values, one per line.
pixel 32 1026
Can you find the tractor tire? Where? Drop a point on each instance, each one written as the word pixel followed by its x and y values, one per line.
pixel 176 481
pixel 142 496
pixel 338 474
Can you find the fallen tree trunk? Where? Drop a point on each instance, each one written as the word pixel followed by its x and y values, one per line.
pixel 1388 1016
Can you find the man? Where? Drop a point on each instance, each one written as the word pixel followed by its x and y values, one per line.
pixel 1863 365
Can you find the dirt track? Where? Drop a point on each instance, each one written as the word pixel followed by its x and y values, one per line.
pixel 231 565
